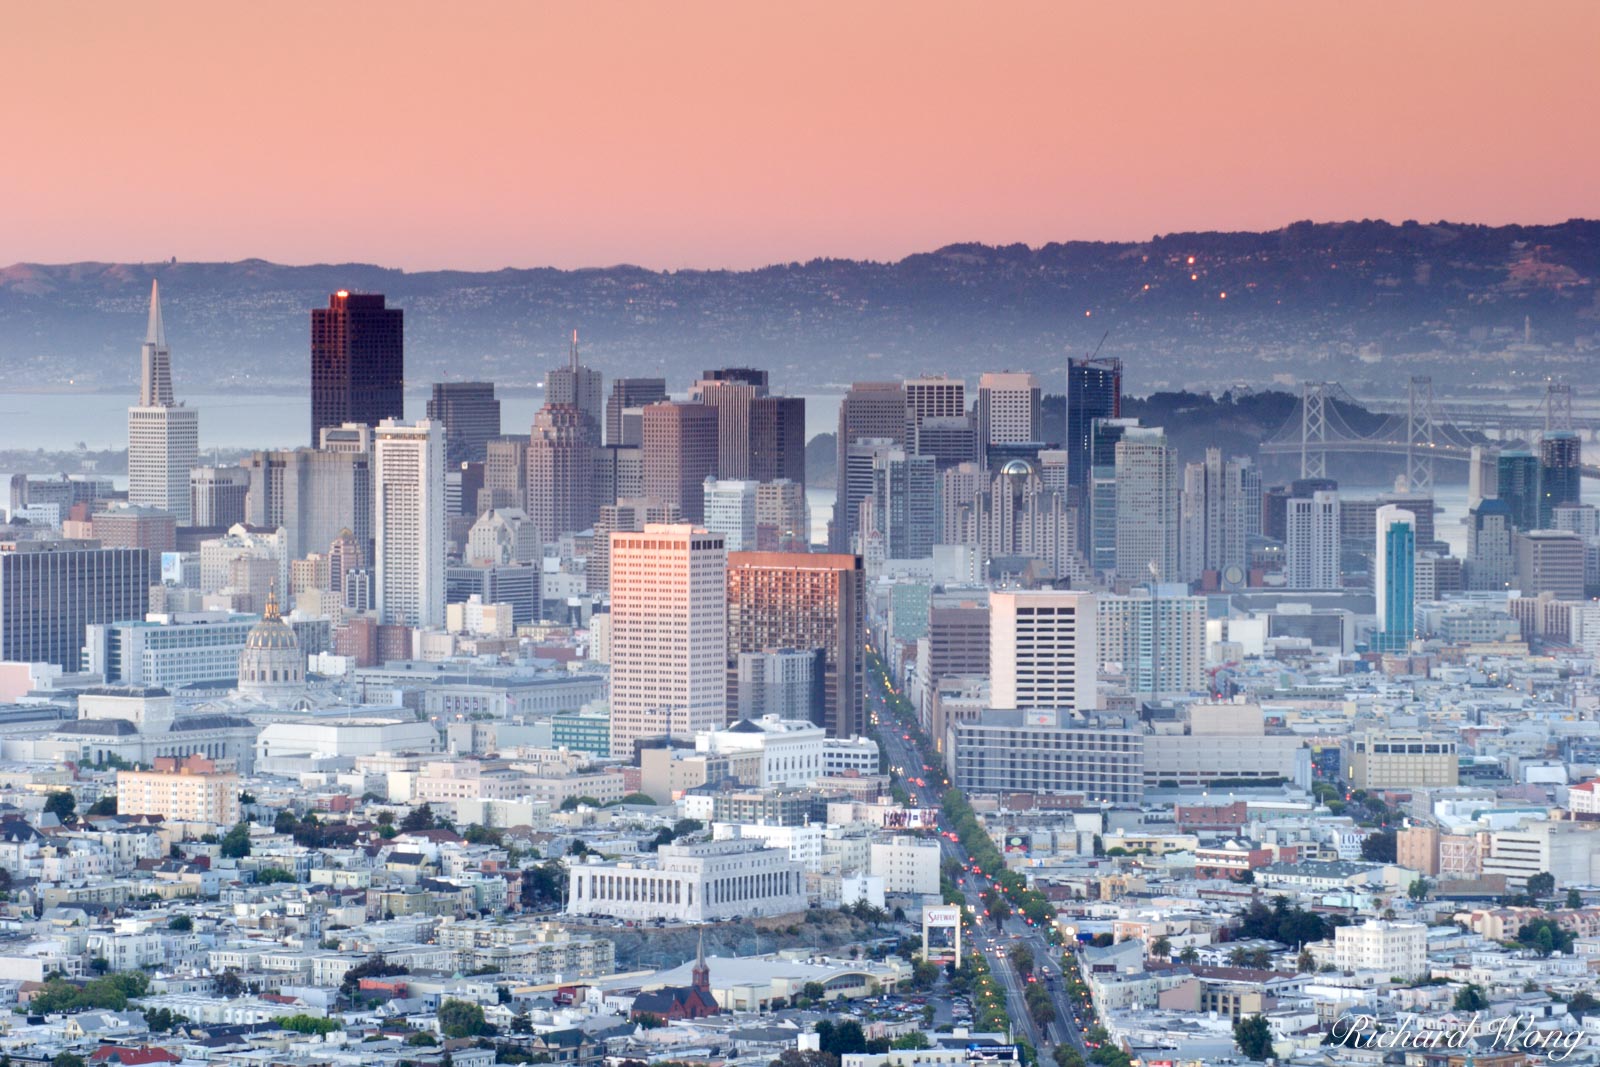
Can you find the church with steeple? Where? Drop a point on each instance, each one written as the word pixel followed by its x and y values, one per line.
pixel 693 1001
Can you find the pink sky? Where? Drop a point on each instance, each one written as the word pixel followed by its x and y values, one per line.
pixel 671 134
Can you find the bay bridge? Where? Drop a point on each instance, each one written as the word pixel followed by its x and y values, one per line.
pixel 1423 432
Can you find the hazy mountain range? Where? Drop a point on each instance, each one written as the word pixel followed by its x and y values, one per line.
pixel 1360 301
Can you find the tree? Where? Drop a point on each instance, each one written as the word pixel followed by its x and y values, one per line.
pixel 229 985
pixel 915 1041
pixel 1574 899
pixel 180 924
pixel 1379 847
pixel 285 823
pixel 162 1021
pixel 273 875
pixel 236 842
pixel 1161 948
pixel 573 803
pixel 1189 954
pixel 1419 888
pixel 1066 1055
pixel 62 804
pixel 459 1018
pixel 482 835
pixel 417 819
pixel 1253 1036
pixel 372 967
pixel 66 1059
pixel 642 799
pixel 1470 997
pixel 1305 962
pixel 247 798
pixel 308 1024
pixel 841 1039
pixel 1582 1004
pixel 106 805
pixel 1539 885
pixel 1545 936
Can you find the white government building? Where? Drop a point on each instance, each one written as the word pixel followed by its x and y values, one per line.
pixel 706 882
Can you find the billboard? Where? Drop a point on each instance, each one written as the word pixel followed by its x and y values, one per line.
pixel 911 819
pixel 993 1053
pixel 941 933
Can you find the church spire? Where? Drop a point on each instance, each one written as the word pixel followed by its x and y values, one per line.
pixel 700 977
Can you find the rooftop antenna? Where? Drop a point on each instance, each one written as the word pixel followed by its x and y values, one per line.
pixel 574 350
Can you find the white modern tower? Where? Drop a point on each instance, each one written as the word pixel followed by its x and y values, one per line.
pixel 409 520
pixel 669 634
pixel 1148 492
pixel 1044 650
pixel 163 436
pixel 1008 408
pixel 1311 549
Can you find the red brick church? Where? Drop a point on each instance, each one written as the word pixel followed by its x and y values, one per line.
pixel 693 1001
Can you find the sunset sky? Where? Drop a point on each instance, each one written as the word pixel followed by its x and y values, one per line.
pixel 482 135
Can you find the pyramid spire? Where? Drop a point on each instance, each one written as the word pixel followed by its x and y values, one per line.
pixel 155 333
pixel 574 354
pixel 155 362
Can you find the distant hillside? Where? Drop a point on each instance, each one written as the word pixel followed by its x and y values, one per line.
pixel 1350 301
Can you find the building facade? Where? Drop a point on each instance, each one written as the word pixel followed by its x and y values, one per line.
pixel 669 635
pixel 357 362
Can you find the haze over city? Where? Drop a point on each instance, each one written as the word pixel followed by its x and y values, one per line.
pixel 775 535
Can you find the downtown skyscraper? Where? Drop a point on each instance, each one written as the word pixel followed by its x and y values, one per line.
pixel 1147 491
pixel 806 601
pixel 870 411
pixel 580 386
pixel 1094 391
pixel 669 635
pixel 357 362
pixel 1394 582
pixel 470 415
pixel 163 436
pixel 409 517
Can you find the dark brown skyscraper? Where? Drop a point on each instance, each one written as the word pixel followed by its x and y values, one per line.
pixel 357 362
pixel 680 453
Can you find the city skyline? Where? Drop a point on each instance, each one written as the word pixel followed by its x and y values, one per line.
pixel 867 133
pixel 1163 653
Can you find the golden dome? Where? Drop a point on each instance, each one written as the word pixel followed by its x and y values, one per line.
pixel 272 633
